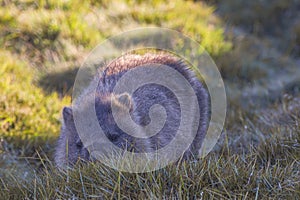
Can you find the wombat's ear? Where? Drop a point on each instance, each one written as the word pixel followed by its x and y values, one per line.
pixel 124 100
pixel 67 115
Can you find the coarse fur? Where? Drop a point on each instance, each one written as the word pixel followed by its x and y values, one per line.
pixel 70 148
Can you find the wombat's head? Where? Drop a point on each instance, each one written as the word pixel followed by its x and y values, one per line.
pixel 70 148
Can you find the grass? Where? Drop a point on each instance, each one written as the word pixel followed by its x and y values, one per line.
pixel 26 113
pixel 43 43
pixel 28 118
pixel 266 172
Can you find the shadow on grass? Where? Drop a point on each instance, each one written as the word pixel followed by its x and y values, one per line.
pixel 61 81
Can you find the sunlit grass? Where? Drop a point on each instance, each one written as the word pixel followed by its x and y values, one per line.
pixel 26 113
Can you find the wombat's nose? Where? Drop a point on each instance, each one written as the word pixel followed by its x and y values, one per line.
pixel 113 136
pixel 79 143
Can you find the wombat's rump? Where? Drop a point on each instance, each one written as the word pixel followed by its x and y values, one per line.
pixel 70 148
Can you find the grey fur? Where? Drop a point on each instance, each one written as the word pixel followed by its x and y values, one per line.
pixel 69 147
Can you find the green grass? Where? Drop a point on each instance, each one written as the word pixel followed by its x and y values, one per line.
pixel 43 43
pixel 26 112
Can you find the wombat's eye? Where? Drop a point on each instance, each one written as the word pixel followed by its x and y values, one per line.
pixel 113 137
pixel 79 143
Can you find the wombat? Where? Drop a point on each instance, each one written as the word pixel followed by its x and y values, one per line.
pixel 70 149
